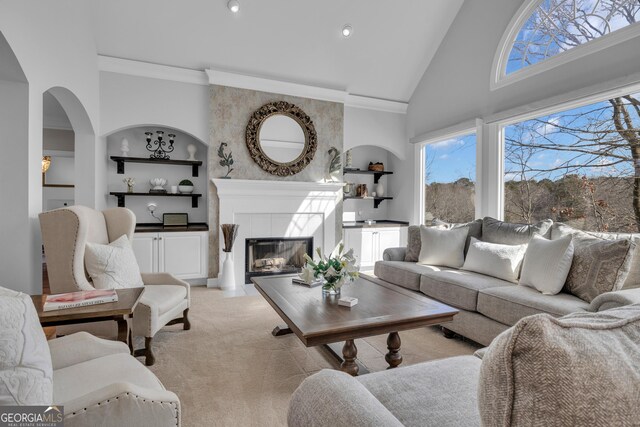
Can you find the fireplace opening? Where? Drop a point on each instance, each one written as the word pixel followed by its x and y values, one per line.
pixel 268 256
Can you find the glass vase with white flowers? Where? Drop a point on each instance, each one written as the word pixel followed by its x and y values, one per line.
pixel 334 270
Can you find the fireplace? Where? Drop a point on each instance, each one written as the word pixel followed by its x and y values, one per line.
pixel 268 256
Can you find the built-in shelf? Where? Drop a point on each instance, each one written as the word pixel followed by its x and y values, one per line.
pixel 122 194
pixel 376 200
pixel 120 161
pixel 376 174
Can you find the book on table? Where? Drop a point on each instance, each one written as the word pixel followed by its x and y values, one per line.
pixel 299 281
pixel 79 299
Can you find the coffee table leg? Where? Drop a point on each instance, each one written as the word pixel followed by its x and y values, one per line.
pixel 393 357
pixel 123 330
pixel 349 353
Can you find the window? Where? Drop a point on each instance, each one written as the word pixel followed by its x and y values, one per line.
pixel 449 182
pixel 580 166
pixel 556 26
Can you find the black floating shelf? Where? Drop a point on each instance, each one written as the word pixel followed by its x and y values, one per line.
pixel 122 194
pixel 376 174
pixel 376 200
pixel 120 161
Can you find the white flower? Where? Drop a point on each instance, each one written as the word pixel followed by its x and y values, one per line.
pixel 307 274
pixel 331 272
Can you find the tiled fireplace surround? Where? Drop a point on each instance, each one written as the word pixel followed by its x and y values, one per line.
pixel 278 209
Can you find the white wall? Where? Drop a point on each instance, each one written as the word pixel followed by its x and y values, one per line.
pixel 54 45
pixel 143 172
pixel 376 128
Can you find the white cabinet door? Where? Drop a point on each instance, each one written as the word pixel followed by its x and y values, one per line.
pixel 368 248
pixel 387 238
pixel 145 248
pixel 183 254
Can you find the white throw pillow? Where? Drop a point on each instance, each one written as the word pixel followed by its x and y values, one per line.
pixel 547 263
pixel 113 266
pixel 26 373
pixel 442 247
pixel 496 260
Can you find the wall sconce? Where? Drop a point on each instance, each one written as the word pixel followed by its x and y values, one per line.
pixel 46 162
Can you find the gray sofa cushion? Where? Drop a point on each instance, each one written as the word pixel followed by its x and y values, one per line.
pixel 458 288
pixel 506 233
pixel 438 393
pixel 509 304
pixel 414 244
pixel 581 370
pixel 475 229
pixel 559 230
pixel 405 274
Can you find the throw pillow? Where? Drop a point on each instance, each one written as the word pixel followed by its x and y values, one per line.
pixel 413 244
pixel 506 233
pixel 599 266
pixel 546 264
pixel 442 247
pixel 475 229
pixel 581 370
pixel 26 373
pixel 113 266
pixel 500 261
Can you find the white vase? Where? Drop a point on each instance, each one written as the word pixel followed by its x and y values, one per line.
pixel 227 279
pixel 379 189
pixel 191 149
pixel 124 147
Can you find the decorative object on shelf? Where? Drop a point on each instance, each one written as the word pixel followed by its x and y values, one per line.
pixel 379 189
pixel 289 115
pixel 46 163
pixel 348 159
pixel 124 147
pixel 373 194
pixel 191 149
pixel 362 191
pixel 335 165
pixel 160 148
pixel 158 185
pixel 174 189
pixel 130 183
pixel 347 188
pixel 227 278
pixel 335 270
pixel 377 167
pixel 185 186
pixel 226 160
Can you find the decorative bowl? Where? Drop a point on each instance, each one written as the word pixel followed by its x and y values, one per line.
pixel 185 188
pixel 158 183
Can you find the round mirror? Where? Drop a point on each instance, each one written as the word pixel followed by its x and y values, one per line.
pixel 281 138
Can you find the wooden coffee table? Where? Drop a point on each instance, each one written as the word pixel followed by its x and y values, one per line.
pixel 382 308
pixel 118 311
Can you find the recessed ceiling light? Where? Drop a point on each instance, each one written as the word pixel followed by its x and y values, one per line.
pixel 347 30
pixel 234 6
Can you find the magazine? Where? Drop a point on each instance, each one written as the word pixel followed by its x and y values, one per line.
pixel 79 299
pixel 298 281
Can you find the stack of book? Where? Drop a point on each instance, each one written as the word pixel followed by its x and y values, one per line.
pixel 79 299
pixel 299 281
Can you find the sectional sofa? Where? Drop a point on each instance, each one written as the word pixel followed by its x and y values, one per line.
pixel 487 305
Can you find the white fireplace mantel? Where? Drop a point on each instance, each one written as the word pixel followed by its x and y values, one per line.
pixel 277 209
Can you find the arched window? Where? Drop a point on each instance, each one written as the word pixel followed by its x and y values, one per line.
pixel 545 29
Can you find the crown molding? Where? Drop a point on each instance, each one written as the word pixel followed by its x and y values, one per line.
pixel 149 70
pixel 242 81
pixel 368 103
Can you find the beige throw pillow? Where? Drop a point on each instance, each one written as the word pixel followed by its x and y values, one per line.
pixel 442 247
pixel 500 261
pixel 579 370
pixel 546 264
pixel 599 266
pixel 113 266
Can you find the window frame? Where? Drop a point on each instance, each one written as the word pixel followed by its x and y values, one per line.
pixel 499 76
pixel 450 133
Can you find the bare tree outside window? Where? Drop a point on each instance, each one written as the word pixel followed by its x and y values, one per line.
pixel 559 25
pixel 581 166
pixel 450 168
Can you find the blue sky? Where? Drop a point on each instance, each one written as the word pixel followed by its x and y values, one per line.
pixel 453 159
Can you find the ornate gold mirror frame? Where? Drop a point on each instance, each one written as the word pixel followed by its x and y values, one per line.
pixel 253 138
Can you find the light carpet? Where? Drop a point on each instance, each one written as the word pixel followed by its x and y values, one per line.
pixel 228 370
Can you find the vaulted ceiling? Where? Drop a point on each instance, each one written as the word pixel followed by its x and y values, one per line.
pixel 292 40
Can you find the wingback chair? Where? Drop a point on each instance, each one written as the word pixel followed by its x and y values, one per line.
pixel 65 233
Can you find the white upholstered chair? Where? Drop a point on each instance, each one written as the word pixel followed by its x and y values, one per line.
pixel 66 231
pixel 96 380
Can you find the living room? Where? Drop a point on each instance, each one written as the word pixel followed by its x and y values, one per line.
pixel 468 172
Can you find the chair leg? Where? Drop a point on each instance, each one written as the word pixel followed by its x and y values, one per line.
pixel 449 334
pixel 185 317
pixel 149 358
